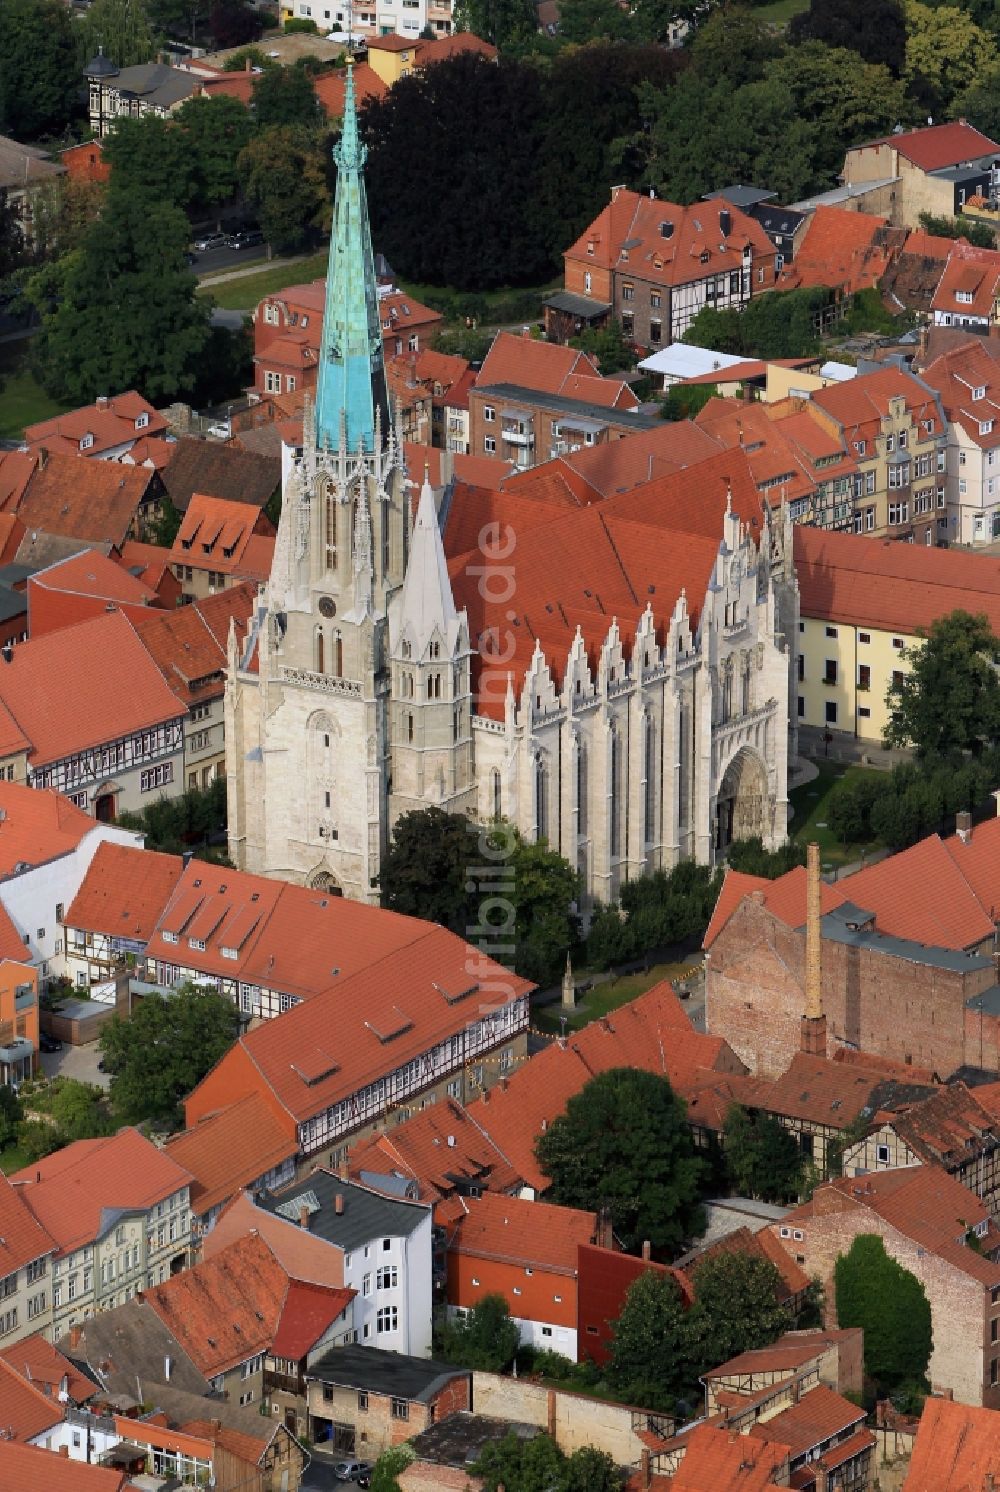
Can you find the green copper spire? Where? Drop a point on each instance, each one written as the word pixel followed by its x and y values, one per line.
pixel 351 384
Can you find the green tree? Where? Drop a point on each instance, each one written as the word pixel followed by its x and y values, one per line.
pixel 164 1049
pixel 850 804
pixel 545 890
pixel 285 96
pixel 762 1158
pixel 388 1466
pixel 39 75
pixel 946 52
pixel 875 29
pixel 684 401
pixel 624 1144
pixel 750 856
pixel 736 1308
pixel 214 132
pixel 485 1339
pixel 980 234
pixel 283 173
pixel 889 1303
pixel 256 56
pixel 11 1113
pixel 72 1111
pixel 62 212
pixel 949 701
pixel 505 23
pixel 648 1362
pixel 151 153
pixel 233 23
pixel 175 824
pixel 608 346
pixel 125 314
pixel 537 1464
pixel 980 105
pixel 300 23
pixel 12 247
pixel 426 867
pixel 122 28
pixel 581 21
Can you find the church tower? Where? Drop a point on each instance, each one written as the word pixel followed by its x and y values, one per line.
pixel 310 799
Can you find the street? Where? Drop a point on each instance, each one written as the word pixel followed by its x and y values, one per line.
pixel 214 261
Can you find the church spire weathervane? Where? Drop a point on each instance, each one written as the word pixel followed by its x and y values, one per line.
pixel 351 385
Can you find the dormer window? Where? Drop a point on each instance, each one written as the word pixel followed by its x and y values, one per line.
pixel 86 441
pixel 985 426
pixel 142 421
pixel 964 297
pixel 979 392
pixel 590 247
pixel 229 953
pixel 198 944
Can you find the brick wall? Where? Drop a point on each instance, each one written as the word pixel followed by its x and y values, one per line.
pixel 883 1004
pixel 543 1295
pixel 571 1419
pixel 960 1305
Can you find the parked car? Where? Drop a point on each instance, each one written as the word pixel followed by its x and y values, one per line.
pixel 47 1043
pixel 220 431
pixel 348 1471
pixel 364 1477
pixel 247 238
pixel 211 241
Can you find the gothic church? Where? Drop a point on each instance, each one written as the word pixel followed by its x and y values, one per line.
pixel 613 678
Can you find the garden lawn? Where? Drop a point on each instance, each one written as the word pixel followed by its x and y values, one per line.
pixel 780 12
pixel 244 293
pixel 609 996
pixel 23 401
pixel 12 1159
pixel 809 815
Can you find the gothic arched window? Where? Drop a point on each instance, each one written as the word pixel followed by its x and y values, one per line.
pixel 338 656
pixel 319 650
pixel 541 799
pixel 615 804
pixel 649 769
pixel 496 792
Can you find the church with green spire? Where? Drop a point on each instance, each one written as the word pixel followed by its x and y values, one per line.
pixel 332 671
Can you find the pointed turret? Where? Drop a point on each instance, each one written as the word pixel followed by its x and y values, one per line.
pixel 351 399
pixel 427 601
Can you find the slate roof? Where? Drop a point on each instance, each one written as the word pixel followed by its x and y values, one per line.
pixel 366 1214
pixel 219 470
pixel 417 1379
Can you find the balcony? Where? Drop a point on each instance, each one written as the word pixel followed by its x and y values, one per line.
pixel 517 435
pixel 321 681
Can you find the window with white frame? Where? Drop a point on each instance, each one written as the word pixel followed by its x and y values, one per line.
pixel 387 1319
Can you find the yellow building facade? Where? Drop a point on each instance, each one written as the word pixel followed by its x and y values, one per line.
pixel 844 672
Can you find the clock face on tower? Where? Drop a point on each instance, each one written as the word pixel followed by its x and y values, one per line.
pixel 327 607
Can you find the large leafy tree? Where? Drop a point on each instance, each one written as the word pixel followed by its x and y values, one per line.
pixel 12 247
pixel 425 870
pixel 446 207
pixel 150 155
pixel 505 23
pixel 283 173
pixel 234 23
pixel 949 702
pixel 889 1303
pixel 285 96
pixel 538 1465
pixel 120 312
pixel 164 1049
pixel 544 894
pixel 875 29
pixel 762 1158
pixel 649 1360
pixel 946 53
pixel 485 1339
pixel 122 28
pixel 624 1144
pixel 40 82
pixel 214 131
pixel 736 1308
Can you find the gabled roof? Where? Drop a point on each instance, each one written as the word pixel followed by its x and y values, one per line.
pixel 940 145
pixel 25 1411
pixel 715 1459
pixel 91 573
pixel 37 825
pixel 791 1351
pixel 761 1245
pixel 948 1126
pixel 329 88
pixel 79 1192
pixel 846 250
pixel 109 423
pixel 188 645
pixel 820 1091
pixel 35 1359
pixel 28 1468
pixel 224 536
pixel 301 1254
pixel 307 1315
pixel 230 1150
pixel 124 891
pixel 816 1417
pixel 667 244
pixel 956 1449
pixel 78 498
pixel 969 272
pixel 22 1236
pixel 512 1231
pixel 968 379
pixel 55 686
pixel 219 470
pixel 859 404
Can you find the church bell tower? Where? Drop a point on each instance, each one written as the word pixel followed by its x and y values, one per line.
pixel 340 557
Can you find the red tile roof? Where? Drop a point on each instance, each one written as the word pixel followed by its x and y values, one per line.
pixel 124 891
pixel 469 471
pixel 22 1236
pixel 868 582
pixel 55 687
pixel 329 88
pixel 28 1468
pixel 230 1150
pixel 308 1313
pixel 108 424
pixel 790 1351
pixel 74 1192
pixel 958 375
pixel 617 465
pixel 442 47
pixel 302 1255
pixel 950 1124
pixel 941 145
pixel 97 501
pixel 762 1245
pixel 957 1448
pixel 25 1411
pixel 189 645
pixel 821 1091
pixel 970 271
pixel 818 1415
pixel 847 250
pixel 225 537
pixel 512 1231
pixel 716 1461
pixel 695 249
pixel 38 824
pixel 860 403
pixel 91 573
pixel 37 1360
pixel 550 369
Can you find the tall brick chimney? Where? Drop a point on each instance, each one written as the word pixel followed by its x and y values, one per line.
pixel 813 1034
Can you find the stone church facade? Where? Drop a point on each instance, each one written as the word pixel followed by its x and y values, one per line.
pixel 358 693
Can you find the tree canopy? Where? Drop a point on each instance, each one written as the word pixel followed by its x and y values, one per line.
pixel 164 1049
pixel 762 1158
pixel 121 28
pixel 283 173
pixel 649 1361
pixel 771 326
pixel 39 78
pixel 946 53
pixel 889 1303
pixel 623 1144
pixel 285 96
pixel 875 29
pixel 537 1464
pixel 949 700
pixel 485 1338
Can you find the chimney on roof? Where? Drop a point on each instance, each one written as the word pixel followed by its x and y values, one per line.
pixel 248 65
pixel 75 1337
pixel 43 456
pixel 304 1215
pixel 646 1250
pixel 338 1204
pixel 814 1021
pixel 645 1477
pixel 605 1239
pixel 343 1170
pixel 963 826
pixel 486 1095
pixel 102 401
